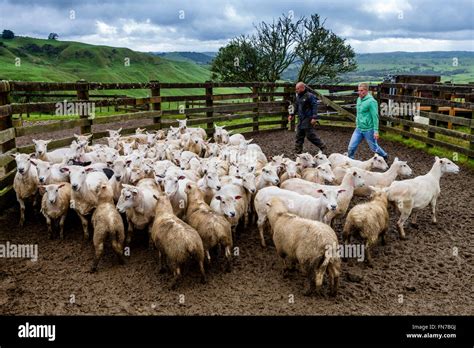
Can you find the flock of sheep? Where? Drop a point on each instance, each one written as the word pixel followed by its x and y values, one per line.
pixel 190 194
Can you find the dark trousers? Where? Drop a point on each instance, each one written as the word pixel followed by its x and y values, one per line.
pixel 311 135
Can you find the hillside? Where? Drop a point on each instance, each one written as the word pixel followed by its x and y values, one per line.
pixel 202 58
pixel 375 66
pixel 50 60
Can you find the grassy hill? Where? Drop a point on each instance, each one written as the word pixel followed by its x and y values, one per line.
pixel 375 66
pixel 192 57
pixel 50 60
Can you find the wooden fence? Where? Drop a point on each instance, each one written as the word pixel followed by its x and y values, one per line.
pixel 262 105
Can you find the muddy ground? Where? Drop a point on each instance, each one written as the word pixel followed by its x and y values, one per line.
pixel 421 275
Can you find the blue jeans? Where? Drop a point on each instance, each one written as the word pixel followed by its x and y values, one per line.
pixel 357 137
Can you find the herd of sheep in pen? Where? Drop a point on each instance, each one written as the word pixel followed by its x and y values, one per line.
pixel 190 194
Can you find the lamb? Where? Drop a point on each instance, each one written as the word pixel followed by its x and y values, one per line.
pixel 370 219
pixel 49 173
pixel 303 205
pixel 107 224
pixel 121 176
pixel 352 180
pixel 183 129
pixel 306 242
pixel 209 184
pixel 84 182
pixel 291 170
pixel 398 168
pixel 267 177
pixel 221 136
pixel 138 204
pixel 375 161
pixel 319 175
pixel 213 228
pixel 305 160
pixel 415 194
pixel 25 183
pixel 55 156
pixel 175 240
pixel 55 205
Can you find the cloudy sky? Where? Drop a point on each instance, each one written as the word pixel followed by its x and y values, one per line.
pixel 206 25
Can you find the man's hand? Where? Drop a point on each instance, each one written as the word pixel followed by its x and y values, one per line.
pixel 313 121
pixel 376 136
pixel 290 118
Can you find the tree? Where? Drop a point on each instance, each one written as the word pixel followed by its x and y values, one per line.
pixel 237 61
pixel 53 36
pixel 8 34
pixel 322 54
pixel 275 42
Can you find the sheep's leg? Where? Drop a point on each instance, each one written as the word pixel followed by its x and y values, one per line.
pixel 151 245
pixel 118 248
pixel 85 226
pixel 405 211
pixel 161 266
pixel 203 272
pixel 433 209
pixel 261 230
pixel 50 228
pixel 22 210
pixel 319 276
pixel 334 278
pixel 309 283
pixel 61 226
pixel 177 276
pixel 368 257
pixel 328 218
pixel 346 232
pixel 129 231
pixel 228 256
pixel 208 257
pixel 414 215
pixel 99 251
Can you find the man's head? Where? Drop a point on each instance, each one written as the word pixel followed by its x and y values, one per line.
pixel 363 89
pixel 300 87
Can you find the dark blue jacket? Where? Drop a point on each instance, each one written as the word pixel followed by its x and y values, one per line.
pixel 306 106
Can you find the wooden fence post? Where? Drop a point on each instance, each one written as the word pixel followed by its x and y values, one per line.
pixel 286 99
pixel 471 142
pixel 156 106
pixel 82 88
pixel 434 108
pixel 7 143
pixel 255 118
pixel 209 114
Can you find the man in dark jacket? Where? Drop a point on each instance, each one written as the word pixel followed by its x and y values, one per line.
pixel 306 106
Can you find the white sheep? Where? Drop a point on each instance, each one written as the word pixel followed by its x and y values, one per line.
pixel 302 205
pixel 25 182
pixel 55 205
pixel 376 161
pixel 139 206
pixel 414 194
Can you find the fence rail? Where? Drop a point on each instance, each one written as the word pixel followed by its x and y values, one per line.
pixel 448 108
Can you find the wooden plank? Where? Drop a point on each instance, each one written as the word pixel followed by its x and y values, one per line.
pixel 430 141
pixel 433 129
pixel 446 118
pixel 428 101
pixel 63 142
pixel 333 105
pixel 51 127
pixel 42 86
pixel 7 179
pixel 5 158
pixel 209 105
pixel 7 135
pixel 5 110
pixel 216 97
pixel 458 88
pixel 126 117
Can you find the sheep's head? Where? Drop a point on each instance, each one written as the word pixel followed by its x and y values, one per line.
pixel 228 204
pixel 402 167
pixel 447 166
pixel 378 162
pixel 51 191
pixel 269 174
pixel 330 197
pixel 43 168
pixel 127 199
pixel 326 172
pixel 41 147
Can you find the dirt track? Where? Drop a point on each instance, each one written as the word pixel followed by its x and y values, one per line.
pixel 423 268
